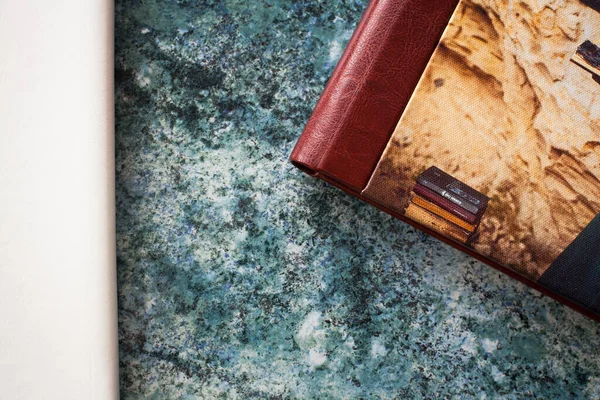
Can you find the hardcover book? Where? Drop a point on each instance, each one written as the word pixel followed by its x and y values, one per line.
pixel 496 145
pixel 452 189
pixel 428 195
pixel 437 210
pixel 436 223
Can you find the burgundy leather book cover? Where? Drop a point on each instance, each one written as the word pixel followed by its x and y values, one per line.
pixel 369 89
pixel 359 128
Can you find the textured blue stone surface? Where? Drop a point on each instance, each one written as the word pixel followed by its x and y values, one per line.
pixel 242 278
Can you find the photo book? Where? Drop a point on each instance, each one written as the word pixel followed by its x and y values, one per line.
pixel 481 127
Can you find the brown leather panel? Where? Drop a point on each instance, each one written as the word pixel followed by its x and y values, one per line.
pixel 370 87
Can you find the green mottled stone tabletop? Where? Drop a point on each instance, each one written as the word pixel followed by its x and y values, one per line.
pixel 242 278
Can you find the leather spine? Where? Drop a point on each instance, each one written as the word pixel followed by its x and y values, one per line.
pixel 369 89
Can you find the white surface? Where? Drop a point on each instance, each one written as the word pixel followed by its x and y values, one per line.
pixel 57 260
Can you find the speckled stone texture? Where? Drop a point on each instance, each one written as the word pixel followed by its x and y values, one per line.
pixel 242 278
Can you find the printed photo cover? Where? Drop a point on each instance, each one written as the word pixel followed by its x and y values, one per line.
pixel 499 146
